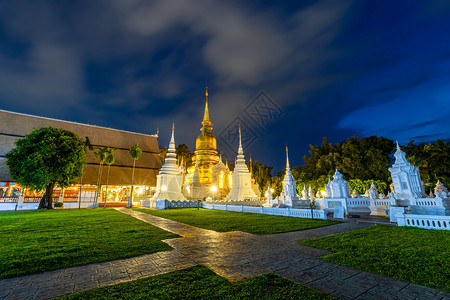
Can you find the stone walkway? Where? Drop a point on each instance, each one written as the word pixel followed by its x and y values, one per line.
pixel 233 255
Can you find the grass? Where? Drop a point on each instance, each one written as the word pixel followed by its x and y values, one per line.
pixel 33 242
pixel 199 282
pixel 223 221
pixel 416 255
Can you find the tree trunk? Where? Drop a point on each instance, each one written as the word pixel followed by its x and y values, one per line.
pixel 99 180
pixel 47 199
pixel 107 181
pixel 130 199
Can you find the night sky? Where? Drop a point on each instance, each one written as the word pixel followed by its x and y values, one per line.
pixel 312 68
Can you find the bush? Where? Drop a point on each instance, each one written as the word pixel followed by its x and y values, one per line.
pixel 58 204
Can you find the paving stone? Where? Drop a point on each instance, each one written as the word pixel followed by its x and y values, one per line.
pixel 234 255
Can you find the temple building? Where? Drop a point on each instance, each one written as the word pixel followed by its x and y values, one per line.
pixel 169 181
pixel 207 176
pixel 16 125
pixel 242 188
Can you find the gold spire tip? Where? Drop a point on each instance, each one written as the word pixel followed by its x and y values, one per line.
pixel 173 126
pixel 206 94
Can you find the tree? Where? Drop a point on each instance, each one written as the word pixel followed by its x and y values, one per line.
pixel 101 153
pixel 109 161
pixel 135 152
pixel 45 157
pixel 261 174
pixel 162 154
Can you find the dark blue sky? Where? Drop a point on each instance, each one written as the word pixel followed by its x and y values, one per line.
pixel 330 68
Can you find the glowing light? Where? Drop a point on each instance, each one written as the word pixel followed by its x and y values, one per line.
pixel 213 188
pixel 164 188
pixel 271 190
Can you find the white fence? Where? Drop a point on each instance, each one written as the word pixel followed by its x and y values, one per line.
pixel 244 202
pixel 288 212
pixel 358 205
pixel 163 204
pixel 424 221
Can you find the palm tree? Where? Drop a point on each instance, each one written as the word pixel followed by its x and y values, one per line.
pixel 135 152
pixel 87 146
pixel 101 153
pixel 109 161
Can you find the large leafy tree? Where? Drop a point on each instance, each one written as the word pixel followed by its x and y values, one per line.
pixel 261 174
pixel 45 157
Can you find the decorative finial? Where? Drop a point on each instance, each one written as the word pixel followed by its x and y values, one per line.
pixel 206 123
pixel 287 159
pixel 173 125
pixel 398 146
pixel 157 132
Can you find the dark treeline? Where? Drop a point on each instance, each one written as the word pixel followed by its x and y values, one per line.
pixel 361 161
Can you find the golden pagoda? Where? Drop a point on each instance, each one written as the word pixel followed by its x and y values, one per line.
pixel 205 151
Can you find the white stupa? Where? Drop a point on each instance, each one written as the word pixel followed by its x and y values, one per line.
pixel 338 187
pixel 169 180
pixel 241 178
pixel 289 194
pixel 406 178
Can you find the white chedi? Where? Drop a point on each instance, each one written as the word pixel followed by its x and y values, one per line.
pixel 338 187
pixel 406 178
pixel 241 178
pixel 169 181
pixel 289 194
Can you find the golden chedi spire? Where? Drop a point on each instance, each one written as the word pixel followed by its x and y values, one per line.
pixel 205 149
pixel 206 123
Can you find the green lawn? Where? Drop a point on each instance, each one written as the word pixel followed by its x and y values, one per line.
pixel 36 241
pixel 223 221
pixel 411 254
pixel 201 283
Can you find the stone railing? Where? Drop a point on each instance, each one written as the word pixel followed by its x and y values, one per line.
pixel 358 205
pixel 164 204
pixel 381 207
pixel 424 221
pixel 288 212
pixel 9 199
pixel 256 203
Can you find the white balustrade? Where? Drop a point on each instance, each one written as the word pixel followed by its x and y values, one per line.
pixel 424 221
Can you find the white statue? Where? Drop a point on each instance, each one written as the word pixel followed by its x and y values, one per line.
pixel 373 190
pixel 304 193
pixel 440 187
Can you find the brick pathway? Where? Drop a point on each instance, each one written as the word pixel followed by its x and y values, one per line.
pixel 233 255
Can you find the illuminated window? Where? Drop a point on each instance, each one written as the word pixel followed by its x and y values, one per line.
pixel 221 179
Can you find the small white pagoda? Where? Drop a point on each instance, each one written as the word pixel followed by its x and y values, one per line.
pixel 289 194
pixel 338 187
pixel 241 178
pixel 406 178
pixel 169 180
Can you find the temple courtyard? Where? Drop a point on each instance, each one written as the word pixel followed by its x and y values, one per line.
pixel 190 253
